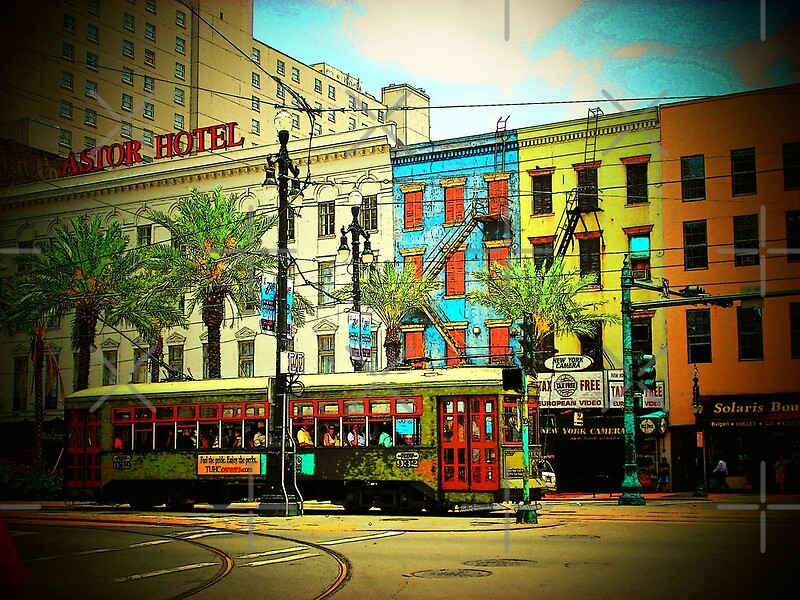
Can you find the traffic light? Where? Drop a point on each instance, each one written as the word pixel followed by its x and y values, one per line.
pixel 528 344
pixel 693 290
pixel 644 370
pixel 512 379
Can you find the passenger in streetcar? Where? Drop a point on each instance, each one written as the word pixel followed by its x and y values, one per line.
pixel 304 437
pixel 331 438
pixel 355 437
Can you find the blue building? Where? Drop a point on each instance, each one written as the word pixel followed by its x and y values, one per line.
pixel 456 207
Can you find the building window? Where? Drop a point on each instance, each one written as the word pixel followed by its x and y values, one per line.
pixel 317 129
pixel 178 121
pixel 149 58
pixel 128 22
pixel 296 74
pixel 639 246
pixel 794 328
pixel 592 346
pixel 91 61
pixel 325 351
pixel 66 109
pixel 351 125
pixel 791 166
pixel 279 90
pixel 21 383
pixel 246 358
pixel 743 171
pixel 542 186
pixel 642 335
pixel 326 224
pixel 454 277
pixel 590 257
pixel 331 116
pixel 380 116
pixel 150 6
pixel 127 100
pixel 66 80
pixel 175 354
pixel 412 209
pixel 453 204
pixel 110 359
pixel 698 335
pixel 587 189
pixel 255 127
pixel 255 54
pixel 67 51
pixel 331 92
pixel 179 96
pixel 65 138
pixel 351 101
pixel 149 110
pixel 144 235
pixel 281 67
pixel 325 282
pixel 369 212
pixel 793 236
pixel 126 130
pixel 255 104
pixel 90 117
pixel 92 33
pixel 415 262
pixel 91 89
pixel 751 343
pixel 180 45
pixel 127 75
pixel 636 176
pixel 364 108
pixel 318 85
pixel 256 79
pixel 543 255
pixel 693 177
pixel 89 142
pixel 69 23
pixel 150 32
pixel 149 83
pixel 180 70
pixel 745 240
pixel 695 245
pixel 93 7
pixel 180 18
pixel 127 48
pixel 147 136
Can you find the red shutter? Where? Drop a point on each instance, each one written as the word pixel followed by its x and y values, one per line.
pixel 454 275
pixel 414 345
pixel 413 209
pixel 498 344
pixel 498 255
pixel 460 336
pixel 416 261
pixel 453 204
pixel 498 197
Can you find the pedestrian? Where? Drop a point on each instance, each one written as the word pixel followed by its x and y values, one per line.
pixel 663 476
pixel 720 475
pixel 780 474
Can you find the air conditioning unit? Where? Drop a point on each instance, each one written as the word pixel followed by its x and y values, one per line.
pixel 642 274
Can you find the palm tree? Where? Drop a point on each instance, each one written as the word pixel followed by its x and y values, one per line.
pixel 82 268
pixel 215 252
pixel 549 295
pixel 393 295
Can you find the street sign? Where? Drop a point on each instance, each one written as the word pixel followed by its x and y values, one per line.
pixel 647 426
pixel 568 362
pixel 293 363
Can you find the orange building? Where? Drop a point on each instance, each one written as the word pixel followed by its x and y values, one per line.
pixel 731 170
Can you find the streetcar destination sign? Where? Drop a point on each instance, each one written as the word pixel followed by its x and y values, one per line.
pixel 568 362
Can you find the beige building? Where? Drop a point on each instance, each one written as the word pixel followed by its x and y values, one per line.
pixel 88 73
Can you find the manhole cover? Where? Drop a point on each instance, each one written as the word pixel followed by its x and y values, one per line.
pixel 573 536
pixel 499 562
pixel 445 573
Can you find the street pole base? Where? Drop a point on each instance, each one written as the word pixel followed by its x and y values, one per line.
pixel 700 490
pixel 632 499
pixel 527 514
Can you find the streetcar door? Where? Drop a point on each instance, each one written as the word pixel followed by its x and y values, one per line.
pixel 469 443
pixel 83 450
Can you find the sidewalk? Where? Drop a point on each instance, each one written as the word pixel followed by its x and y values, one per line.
pixel 748 496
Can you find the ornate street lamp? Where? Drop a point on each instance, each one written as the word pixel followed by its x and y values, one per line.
pixel 697 409
pixel 357 258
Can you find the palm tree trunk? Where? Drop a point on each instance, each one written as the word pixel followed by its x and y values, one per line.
pixel 392 346
pixel 37 358
pixel 213 315
pixel 156 352
pixel 86 324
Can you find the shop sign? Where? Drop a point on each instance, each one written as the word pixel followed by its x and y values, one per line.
pixel 651 399
pixel 168 145
pixel 230 464
pixel 574 389
pixel 568 362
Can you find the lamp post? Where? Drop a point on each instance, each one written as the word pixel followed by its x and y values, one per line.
pixel 283 121
pixel 357 257
pixel 697 408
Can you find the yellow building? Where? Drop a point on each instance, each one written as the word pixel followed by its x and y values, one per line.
pixel 590 192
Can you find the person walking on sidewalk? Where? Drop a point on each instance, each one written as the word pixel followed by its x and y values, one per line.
pixel 663 476
pixel 720 475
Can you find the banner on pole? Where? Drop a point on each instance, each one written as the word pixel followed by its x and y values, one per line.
pixel 359 336
pixel 269 303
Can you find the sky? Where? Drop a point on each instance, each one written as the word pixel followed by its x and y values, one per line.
pixel 569 54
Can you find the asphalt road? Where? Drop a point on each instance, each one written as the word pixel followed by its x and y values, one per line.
pixel 679 549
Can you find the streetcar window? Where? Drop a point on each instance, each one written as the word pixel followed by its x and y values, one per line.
pixel 165 436
pixel 122 437
pixel 303 408
pixel 186 412
pixel 407 431
pixel 329 408
pixel 255 410
pixel 329 433
pixel 143 437
pixel 231 411
pixel 376 427
pixel 209 411
pixel 232 434
pixel 142 414
pixel 489 431
pixel 407 406
pixel 354 407
pixel 121 414
pixel 255 433
pixel 209 435
pixel 380 407
pixel 448 406
pixel 511 430
pixel 353 433
pixel 187 435
pixel 164 413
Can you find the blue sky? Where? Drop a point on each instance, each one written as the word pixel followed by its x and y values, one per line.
pixel 510 51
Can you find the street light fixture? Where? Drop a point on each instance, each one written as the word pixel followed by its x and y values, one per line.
pixel 697 409
pixel 357 258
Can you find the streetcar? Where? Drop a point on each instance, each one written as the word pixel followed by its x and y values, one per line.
pixel 434 439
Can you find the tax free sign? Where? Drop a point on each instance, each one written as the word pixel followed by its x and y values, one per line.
pixel 616 392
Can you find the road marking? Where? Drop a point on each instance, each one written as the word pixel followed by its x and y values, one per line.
pixel 195 536
pixel 260 563
pixel 23 533
pixel 153 543
pixel 362 538
pixel 165 572
pixel 281 551
pixel 98 550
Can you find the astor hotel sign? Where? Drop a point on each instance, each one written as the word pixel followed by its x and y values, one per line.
pixel 168 145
